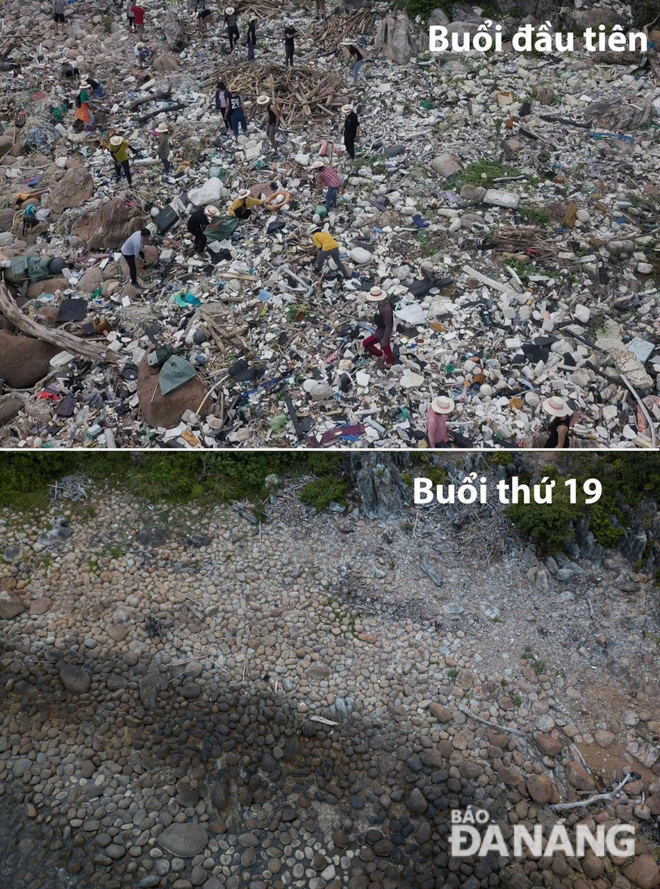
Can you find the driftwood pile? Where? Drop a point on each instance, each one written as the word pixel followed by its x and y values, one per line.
pixel 524 239
pixel 300 93
pixel 263 9
pixel 328 34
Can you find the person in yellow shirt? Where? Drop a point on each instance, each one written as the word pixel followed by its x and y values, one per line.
pixel 118 148
pixel 242 206
pixel 327 247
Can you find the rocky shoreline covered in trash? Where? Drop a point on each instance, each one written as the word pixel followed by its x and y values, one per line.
pixel 508 204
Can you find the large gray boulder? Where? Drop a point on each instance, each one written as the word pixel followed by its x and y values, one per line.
pixel 397 39
pixel 381 491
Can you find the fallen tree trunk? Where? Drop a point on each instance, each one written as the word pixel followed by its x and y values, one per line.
pixel 65 341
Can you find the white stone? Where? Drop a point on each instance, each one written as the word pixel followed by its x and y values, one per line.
pixel 360 255
pixel 411 380
pixel 498 198
pixel 582 313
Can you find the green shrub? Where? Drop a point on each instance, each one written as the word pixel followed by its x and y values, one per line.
pixel 323 491
pixel 548 525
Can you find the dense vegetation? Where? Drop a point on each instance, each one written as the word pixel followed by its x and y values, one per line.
pixel 627 480
pixel 173 478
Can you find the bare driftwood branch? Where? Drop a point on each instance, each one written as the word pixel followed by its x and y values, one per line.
pixel 66 341
pixel 173 106
pixel 156 97
pixel 503 728
pixel 592 799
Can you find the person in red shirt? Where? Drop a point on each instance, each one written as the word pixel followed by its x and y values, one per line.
pixel 329 177
pixel 138 18
pixel 378 343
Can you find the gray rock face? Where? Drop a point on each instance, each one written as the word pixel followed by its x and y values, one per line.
pixel 76 680
pixel 183 840
pixel 380 492
pixel 437 18
pixel 396 39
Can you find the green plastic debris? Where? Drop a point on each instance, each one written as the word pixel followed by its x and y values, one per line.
pixel 278 423
pixel 176 372
pixel 321 211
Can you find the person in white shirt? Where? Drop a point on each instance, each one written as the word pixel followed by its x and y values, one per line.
pixel 132 247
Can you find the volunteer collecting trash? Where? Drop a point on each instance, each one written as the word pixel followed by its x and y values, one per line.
pixel 378 343
pixel 118 148
pixel 327 176
pixel 130 14
pixel 326 248
pixel 252 37
pixel 142 54
pixel 58 15
pixel 138 18
pixel 231 21
pixel 83 111
pixel 274 117
pixel 289 45
pixel 561 424
pixel 356 58
pixel 351 125
pixel 237 114
pixel 436 425
pixel 132 248
pixel 162 132
pixel 197 222
pixel 204 19
pixel 222 97
pixel 242 206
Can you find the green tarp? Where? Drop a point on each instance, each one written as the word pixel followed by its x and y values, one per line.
pixel 223 229
pixel 34 268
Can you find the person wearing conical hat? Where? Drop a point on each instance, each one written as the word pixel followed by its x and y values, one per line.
pixel 138 17
pixel 162 133
pixel 83 111
pixel 274 117
pixel 241 208
pixel 327 176
pixel 231 21
pixel 252 37
pixel 562 420
pixel 198 222
pixel 351 125
pixel 436 425
pixel 355 56
pixel 118 148
pixel 378 343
